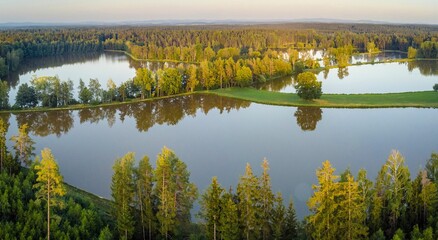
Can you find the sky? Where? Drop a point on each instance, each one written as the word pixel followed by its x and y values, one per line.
pixel 62 11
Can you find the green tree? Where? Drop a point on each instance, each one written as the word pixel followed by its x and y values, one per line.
pixel 398 188
pixel 175 194
pixel 229 219
pixel 412 53
pixel 291 223
pixel 4 95
pixel 144 81
pixel 278 218
pixel 432 168
pixel 170 81
pixel 145 181
pixel 307 86
pixel 66 93
pixel 23 144
pixel 122 191
pixel 95 90
pixel 351 212
pixel 248 199
pixel 112 90
pixel 49 182
pixel 211 208
pixel 85 94
pixel 322 204
pixel 26 96
pixel 429 199
pixel 192 81
pixel 3 148
pixel 206 76
pixel 267 200
pixel 244 76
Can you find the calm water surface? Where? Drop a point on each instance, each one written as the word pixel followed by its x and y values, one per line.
pixel 377 78
pixel 217 136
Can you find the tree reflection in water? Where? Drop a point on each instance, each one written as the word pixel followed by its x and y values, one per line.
pixel 308 117
pixel 146 114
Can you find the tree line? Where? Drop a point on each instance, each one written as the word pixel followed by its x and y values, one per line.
pixel 199 43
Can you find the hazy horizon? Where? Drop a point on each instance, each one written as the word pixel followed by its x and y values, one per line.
pixel 77 11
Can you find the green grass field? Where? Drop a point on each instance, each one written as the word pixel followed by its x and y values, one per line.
pixel 427 99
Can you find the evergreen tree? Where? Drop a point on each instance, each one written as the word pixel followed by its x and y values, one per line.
pixel 122 191
pixel 378 216
pixel 145 181
pixel 174 192
pixel 229 219
pixel 365 187
pixel 278 218
pixel 323 221
pixel 291 222
pixel 23 144
pixel 351 210
pixel 432 168
pixel 247 193
pixel 49 183
pixel 267 200
pixel 211 208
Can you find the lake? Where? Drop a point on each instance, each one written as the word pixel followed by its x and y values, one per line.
pixel 370 78
pixel 217 136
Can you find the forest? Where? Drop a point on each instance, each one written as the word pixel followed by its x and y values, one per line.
pixel 210 57
pixel 156 202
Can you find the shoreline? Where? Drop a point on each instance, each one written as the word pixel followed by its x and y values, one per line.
pixel 418 99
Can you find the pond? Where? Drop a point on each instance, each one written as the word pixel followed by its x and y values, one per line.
pixel 371 78
pixel 217 136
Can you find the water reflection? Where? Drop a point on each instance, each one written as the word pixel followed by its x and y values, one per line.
pixel 342 73
pixel 47 123
pixel 426 67
pixel 34 64
pixel 308 117
pixel 167 111
pixel 418 75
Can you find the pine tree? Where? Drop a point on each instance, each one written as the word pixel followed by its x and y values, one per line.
pixel 49 183
pixel 23 144
pixel 144 182
pixel 123 190
pixel 365 187
pixel 211 208
pixel 322 204
pixel 432 168
pixel 229 219
pixel 351 210
pixel 278 217
pixel 174 192
pixel 378 216
pixel 267 200
pixel 291 222
pixel 185 194
pixel 247 195
pixel 163 190
pixel 429 200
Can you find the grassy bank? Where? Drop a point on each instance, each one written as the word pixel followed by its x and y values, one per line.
pixel 427 99
pixel 102 205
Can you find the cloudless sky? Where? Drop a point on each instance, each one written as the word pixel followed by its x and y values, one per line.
pixel 398 11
